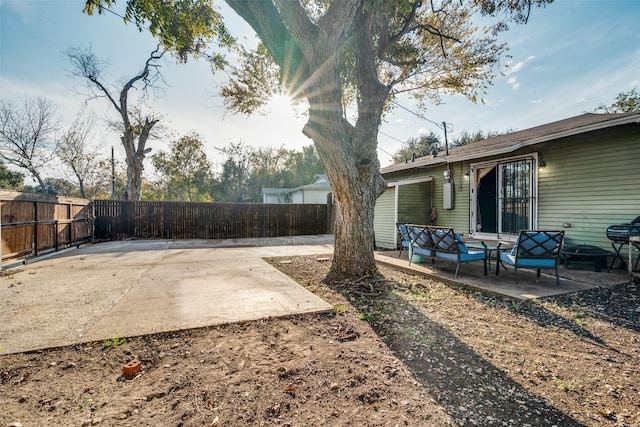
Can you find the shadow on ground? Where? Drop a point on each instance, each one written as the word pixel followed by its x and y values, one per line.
pixel 618 305
pixel 473 391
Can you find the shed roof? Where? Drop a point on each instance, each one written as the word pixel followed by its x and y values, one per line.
pixel 275 191
pixel 508 143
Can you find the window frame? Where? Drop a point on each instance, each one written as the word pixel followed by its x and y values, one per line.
pixel 532 197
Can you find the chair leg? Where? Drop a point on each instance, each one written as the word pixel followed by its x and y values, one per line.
pixel 457 268
pixel 485 266
pixel 538 273
pixel 557 277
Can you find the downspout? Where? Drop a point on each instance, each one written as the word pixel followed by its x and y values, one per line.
pixel 395 214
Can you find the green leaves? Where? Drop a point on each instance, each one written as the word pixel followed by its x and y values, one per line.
pixel 184 27
pixel 625 102
pixel 185 172
pixel 250 85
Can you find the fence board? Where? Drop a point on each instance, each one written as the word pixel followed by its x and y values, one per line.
pixel 32 223
pixel 119 219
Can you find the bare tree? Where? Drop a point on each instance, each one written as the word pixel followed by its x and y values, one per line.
pixel 82 156
pixel 135 129
pixel 27 134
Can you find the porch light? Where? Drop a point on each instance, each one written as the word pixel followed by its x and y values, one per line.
pixel 541 163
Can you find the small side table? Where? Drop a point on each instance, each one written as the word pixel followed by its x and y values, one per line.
pixel 491 247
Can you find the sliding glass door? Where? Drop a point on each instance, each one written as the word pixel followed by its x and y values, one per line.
pixel 503 197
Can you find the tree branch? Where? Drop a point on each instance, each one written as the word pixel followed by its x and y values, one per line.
pixel 266 21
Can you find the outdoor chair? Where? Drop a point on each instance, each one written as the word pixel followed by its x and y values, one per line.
pixel 405 241
pixel 442 243
pixel 533 249
pixel 420 244
pixel 450 246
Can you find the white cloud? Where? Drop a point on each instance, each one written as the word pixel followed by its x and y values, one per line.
pixel 512 69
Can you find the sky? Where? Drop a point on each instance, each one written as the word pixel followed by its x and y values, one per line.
pixel 571 57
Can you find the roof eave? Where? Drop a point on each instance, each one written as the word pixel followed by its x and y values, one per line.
pixel 619 121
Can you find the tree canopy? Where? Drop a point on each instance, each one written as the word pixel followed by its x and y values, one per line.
pixel 10 180
pixel 625 102
pixel 424 145
pixel 247 170
pixel 185 172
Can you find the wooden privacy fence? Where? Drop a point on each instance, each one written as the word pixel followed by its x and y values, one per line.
pixel 33 223
pixel 118 219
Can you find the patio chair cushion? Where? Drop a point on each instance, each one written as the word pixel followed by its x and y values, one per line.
pixel 420 243
pixel 418 236
pixel 510 259
pixel 537 245
pixel 406 240
pixel 464 257
pixel 445 240
pixel 417 250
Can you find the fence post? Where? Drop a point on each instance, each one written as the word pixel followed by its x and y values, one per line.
pixel 35 229
pixel 57 236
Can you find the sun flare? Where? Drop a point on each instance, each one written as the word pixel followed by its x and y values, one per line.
pixel 282 101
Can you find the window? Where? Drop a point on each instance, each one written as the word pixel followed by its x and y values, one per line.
pixel 503 197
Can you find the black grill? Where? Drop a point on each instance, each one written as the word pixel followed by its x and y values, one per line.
pixel 620 232
pixel 619 236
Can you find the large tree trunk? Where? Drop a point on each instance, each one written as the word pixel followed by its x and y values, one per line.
pixel 348 153
pixel 310 56
pixel 135 157
pixel 133 189
pixel 356 183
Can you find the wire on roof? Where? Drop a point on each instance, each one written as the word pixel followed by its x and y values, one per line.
pixel 438 125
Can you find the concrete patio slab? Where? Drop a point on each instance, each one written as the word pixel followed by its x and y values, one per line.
pixel 138 287
pixel 131 288
pixel 528 287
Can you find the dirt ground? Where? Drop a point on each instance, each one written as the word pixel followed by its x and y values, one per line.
pixel 399 351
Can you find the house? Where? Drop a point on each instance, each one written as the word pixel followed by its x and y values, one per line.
pixel 315 192
pixel 276 195
pixel 580 175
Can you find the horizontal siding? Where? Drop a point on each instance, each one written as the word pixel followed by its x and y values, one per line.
pixel 414 206
pixel 416 200
pixel 458 217
pixel 590 185
pixel 315 196
pixel 383 220
pixel 414 203
pixel 591 181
